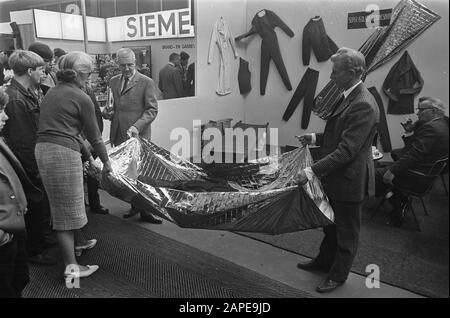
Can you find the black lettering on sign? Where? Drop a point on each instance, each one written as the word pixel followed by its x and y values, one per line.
pixel 170 23
pixel 148 25
pixel 142 26
pixel 181 23
pixel 131 26
pixel 358 20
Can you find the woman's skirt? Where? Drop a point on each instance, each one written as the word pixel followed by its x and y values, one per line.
pixel 62 175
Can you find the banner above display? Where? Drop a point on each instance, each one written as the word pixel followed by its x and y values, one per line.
pixel 371 18
pixel 155 25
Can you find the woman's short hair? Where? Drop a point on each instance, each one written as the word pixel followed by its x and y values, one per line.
pixel 73 63
pixel 353 60
pixel 20 61
pixel 3 98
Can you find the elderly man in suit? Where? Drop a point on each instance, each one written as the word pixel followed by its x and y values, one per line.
pixel 346 167
pixel 135 108
pixel 170 78
pixel 426 141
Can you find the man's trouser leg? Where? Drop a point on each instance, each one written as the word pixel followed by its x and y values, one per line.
pixel 348 222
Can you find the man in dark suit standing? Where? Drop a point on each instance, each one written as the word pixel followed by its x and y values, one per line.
pixel 346 167
pixel 135 108
pixel 170 80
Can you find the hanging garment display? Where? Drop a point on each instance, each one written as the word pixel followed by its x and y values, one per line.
pixel 409 20
pixel 223 38
pixel 306 89
pixel 316 38
pixel 383 130
pixel 264 24
pixel 244 77
pixel 402 83
pixel 251 197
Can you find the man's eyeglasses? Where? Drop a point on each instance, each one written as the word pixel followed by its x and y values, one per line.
pixel 129 65
pixel 423 109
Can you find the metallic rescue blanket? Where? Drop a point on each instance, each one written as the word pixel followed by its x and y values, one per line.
pixel 250 197
pixel 409 20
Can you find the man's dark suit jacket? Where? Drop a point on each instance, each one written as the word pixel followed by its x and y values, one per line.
pixel 170 82
pixel 135 106
pixel 346 166
pixel 21 128
pixel 428 144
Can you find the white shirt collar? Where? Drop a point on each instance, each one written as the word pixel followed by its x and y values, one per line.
pixel 131 77
pixel 348 91
pixel 171 64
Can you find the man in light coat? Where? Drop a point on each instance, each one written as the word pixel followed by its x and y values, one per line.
pixel 346 167
pixel 135 108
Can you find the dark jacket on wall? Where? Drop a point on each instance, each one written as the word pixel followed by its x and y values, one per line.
pixel 428 144
pixel 346 167
pixel 264 23
pixel 401 84
pixel 316 38
pixel 21 128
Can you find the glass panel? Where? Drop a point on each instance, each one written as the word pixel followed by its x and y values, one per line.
pixel 175 4
pixel 107 8
pixel 125 7
pixel 145 6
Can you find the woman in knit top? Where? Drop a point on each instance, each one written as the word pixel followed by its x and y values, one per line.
pixel 66 111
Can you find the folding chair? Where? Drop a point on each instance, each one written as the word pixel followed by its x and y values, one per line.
pixel 423 185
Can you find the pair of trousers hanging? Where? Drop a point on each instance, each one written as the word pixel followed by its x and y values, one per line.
pixel 306 89
pixel 264 24
pixel 383 130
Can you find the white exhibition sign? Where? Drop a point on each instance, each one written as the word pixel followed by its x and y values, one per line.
pixel 55 25
pixel 155 25
pixel 48 24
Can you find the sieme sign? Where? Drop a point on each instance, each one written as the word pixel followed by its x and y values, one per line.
pixel 154 25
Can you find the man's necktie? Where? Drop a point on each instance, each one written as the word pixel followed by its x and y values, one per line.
pixel 125 84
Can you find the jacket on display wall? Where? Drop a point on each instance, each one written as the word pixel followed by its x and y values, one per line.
pixel 222 37
pixel 264 24
pixel 315 37
pixel 401 84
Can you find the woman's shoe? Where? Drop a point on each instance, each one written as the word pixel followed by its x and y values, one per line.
pixel 87 246
pixel 73 271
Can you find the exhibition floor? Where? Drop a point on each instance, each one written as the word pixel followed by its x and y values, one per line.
pixel 145 260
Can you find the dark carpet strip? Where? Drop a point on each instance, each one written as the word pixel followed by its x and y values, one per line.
pixel 135 262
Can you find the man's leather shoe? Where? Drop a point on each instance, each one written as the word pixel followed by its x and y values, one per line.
pixel 42 259
pixel 150 219
pixel 312 266
pixel 100 210
pixel 328 285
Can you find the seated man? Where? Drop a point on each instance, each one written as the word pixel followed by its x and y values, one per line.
pixel 427 144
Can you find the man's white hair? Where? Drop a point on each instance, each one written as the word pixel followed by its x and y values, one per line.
pixel 352 59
